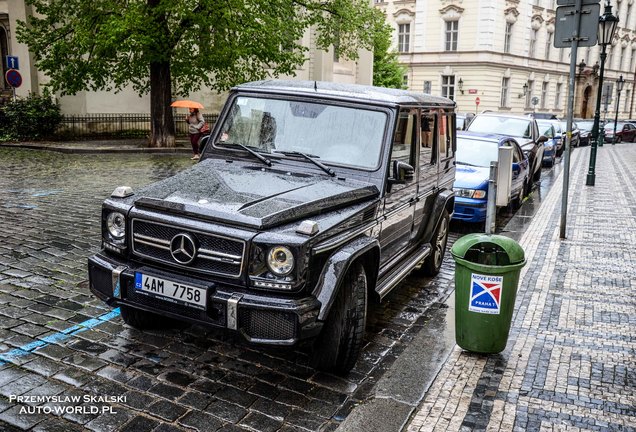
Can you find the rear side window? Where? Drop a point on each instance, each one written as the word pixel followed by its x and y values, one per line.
pixel 405 137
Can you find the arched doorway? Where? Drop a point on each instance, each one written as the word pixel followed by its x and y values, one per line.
pixel 586 100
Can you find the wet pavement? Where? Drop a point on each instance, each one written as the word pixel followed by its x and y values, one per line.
pixel 56 339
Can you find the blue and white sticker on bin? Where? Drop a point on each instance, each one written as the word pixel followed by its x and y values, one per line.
pixel 485 294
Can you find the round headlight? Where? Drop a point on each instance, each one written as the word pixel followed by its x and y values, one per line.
pixel 116 224
pixel 280 260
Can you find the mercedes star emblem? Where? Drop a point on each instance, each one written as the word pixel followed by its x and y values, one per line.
pixel 183 249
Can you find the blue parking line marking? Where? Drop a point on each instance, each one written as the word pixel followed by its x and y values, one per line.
pixel 57 337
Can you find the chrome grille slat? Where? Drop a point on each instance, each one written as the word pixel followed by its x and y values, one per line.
pixel 216 254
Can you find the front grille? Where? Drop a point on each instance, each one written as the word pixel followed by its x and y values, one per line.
pixel 265 324
pixel 215 255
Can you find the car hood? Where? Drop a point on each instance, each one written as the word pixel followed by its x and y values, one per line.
pixel 251 195
pixel 470 177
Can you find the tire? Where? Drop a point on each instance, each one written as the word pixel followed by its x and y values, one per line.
pixel 338 345
pixel 433 262
pixel 537 176
pixel 143 320
pixel 527 187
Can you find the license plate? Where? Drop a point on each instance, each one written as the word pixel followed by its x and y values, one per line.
pixel 170 291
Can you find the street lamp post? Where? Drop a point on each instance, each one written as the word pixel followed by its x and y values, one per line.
pixel 619 87
pixel 606 27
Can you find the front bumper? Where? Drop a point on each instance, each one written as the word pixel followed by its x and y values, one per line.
pixel 470 209
pixel 259 318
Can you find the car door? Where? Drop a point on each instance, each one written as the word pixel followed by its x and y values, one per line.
pixel 400 196
pixel 427 168
pixel 519 167
pixel 629 132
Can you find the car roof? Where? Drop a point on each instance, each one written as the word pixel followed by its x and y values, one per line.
pixel 484 136
pixel 346 91
pixel 497 114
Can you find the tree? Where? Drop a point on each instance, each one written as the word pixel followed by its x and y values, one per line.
pixel 166 46
pixel 387 71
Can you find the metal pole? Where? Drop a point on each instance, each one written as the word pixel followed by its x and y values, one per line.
pixel 591 174
pixel 491 209
pixel 568 135
pixel 618 101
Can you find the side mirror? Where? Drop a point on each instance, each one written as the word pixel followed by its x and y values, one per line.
pixel 402 173
pixel 542 139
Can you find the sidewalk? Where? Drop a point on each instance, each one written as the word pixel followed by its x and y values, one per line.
pixel 102 146
pixel 570 363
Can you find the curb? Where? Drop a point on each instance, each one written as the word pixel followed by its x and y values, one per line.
pixel 96 150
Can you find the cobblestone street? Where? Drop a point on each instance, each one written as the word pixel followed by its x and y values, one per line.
pixel 56 339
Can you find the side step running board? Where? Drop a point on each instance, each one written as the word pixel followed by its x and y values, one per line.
pixel 387 283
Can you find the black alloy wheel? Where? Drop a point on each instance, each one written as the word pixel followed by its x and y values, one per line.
pixel 433 263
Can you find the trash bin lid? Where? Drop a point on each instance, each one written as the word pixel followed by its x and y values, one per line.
pixel 507 245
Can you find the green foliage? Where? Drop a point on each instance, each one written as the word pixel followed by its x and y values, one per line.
pixel 109 44
pixel 387 71
pixel 34 117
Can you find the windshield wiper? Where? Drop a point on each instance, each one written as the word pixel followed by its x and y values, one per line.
pixel 467 164
pixel 311 159
pixel 250 151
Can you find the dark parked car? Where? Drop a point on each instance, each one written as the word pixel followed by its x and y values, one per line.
pixel 585 128
pixel 523 128
pixel 475 151
pixel 576 133
pixel 624 132
pixel 310 199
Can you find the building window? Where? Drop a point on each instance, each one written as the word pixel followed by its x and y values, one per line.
pixel 404 34
pixel 508 37
pixel 631 59
pixel 548 45
pixel 452 30
pixel 529 94
pixel 427 87
pixel 628 14
pixel 622 59
pixel 448 86
pixel 561 54
pixel 405 81
pixel 628 99
pixel 505 87
pixel 557 96
pixel 544 94
pixel 533 43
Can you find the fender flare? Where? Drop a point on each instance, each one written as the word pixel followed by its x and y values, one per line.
pixel 336 268
pixel 445 200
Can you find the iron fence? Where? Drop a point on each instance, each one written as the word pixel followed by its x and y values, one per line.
pixel 91 126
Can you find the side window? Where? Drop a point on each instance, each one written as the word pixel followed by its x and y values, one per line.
pixel 405 137
pixel 516 155
pixel 446 135
pixel 427 149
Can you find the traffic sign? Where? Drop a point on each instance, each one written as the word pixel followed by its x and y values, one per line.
pixel 13 62
pixel 477 101
pixel 472 91
pixel 573 2
pixel 566 23
pixel 13 77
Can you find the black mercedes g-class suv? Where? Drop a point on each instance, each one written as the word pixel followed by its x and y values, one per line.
pixel 309 199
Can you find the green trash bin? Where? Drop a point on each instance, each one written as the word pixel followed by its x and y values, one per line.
pixel 487 269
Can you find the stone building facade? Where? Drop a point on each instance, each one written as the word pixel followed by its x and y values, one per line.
pixel 487 50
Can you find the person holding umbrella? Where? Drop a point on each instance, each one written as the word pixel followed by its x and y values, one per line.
pixel 196 123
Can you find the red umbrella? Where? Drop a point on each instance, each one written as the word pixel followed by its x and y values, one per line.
pixel 186 104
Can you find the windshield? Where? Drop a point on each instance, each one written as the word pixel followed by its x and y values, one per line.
pixel 476 152
pixel 336 134
pixel 584 125
pixel 509 126
pixel 545 128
